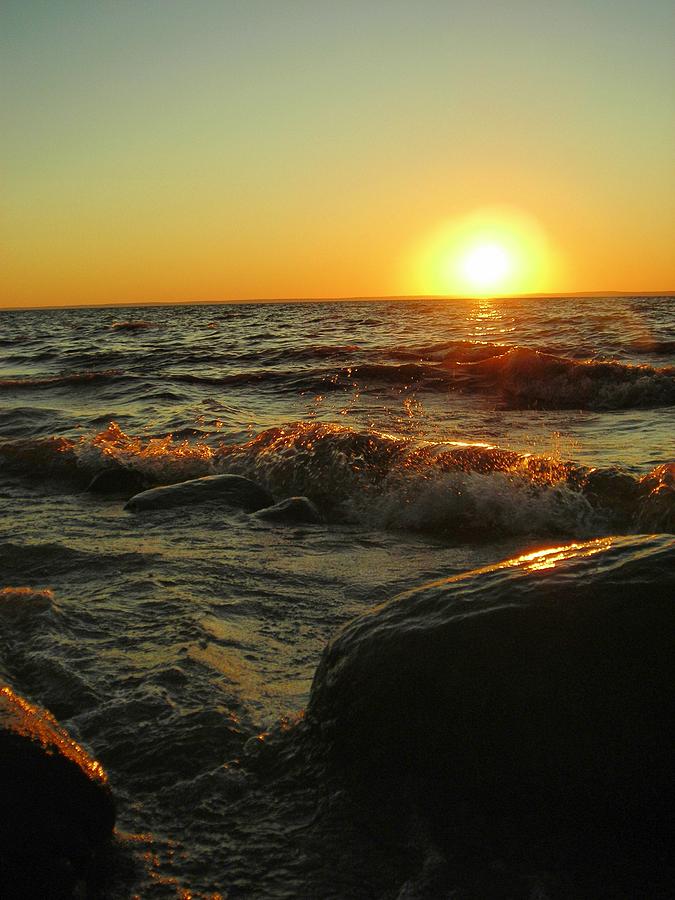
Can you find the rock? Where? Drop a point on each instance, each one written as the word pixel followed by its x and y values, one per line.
pixel 233 490
pixel 541 687
pixel 611 489
pixel 57 808
pixel 656 509
pixel 293 509
pixel 117 481
pixel 24 601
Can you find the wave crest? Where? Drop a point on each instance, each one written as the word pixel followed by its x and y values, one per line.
pixel 384 481
pixel 528 378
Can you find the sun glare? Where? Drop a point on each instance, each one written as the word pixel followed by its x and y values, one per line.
pixel 489 252
pixel 486 266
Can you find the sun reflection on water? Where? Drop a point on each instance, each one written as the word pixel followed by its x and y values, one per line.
pixel 487 320
pixel 551 556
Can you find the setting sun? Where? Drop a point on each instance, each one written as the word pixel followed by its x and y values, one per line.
pixel 489 251
pixel 486 266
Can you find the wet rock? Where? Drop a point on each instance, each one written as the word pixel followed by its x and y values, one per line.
pixel 539 689
pixel 24 601
pixel 656 509
pixel 611 489
pixel 292 509
pixel 57 809
pixel 232 490
pixel 117 481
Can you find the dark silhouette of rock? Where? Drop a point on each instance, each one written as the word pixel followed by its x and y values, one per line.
pixel 291 510
pixel 118 481
pixel 57 810
pixel 232 490
pixel 539 690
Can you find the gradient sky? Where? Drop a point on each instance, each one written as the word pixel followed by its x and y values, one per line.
pixel 165 150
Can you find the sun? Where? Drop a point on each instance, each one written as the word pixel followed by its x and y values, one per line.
pixel 489 252
pixel 486 266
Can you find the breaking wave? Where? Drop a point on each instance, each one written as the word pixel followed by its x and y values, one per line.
pixel 383 481
pixel 529 378
pixel 518 377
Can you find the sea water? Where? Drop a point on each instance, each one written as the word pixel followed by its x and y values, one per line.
pixel 434 437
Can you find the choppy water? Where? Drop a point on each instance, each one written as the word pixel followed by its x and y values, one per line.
pixel 434 437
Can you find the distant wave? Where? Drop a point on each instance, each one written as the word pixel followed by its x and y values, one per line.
pixel 236 378
pixel 384 481
pixel 516 377
pixel 133 325
pixel 529 378
pixel 521 378
pixel 74 379
pixel 286 354
pixel 446 351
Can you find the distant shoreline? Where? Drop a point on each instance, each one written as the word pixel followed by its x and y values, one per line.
pixel 122 304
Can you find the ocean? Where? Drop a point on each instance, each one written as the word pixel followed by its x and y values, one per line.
pixel 179 645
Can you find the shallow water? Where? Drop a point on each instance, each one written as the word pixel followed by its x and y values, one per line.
pixel 173 638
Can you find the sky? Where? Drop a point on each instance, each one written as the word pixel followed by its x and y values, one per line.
pixel 161 150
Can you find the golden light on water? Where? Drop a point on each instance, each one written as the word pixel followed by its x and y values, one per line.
pixel 496 251
pixel 551 556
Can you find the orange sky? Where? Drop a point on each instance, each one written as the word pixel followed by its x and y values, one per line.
pixel 190 151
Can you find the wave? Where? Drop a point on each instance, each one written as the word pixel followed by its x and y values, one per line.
pixel 23 611
pixel 133 325
pixel 162 460
pixel 313 351
pixel 234 379
pixel 520 377
pixel 652 345
pixel 382 481
pixel 392 482
pixel 528 378
pixel 74 379
pixel 447 351
pixel 48 560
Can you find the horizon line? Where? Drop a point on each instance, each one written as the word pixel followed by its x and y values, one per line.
pixel 116 304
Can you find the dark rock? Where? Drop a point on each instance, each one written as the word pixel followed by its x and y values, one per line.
pixel 57 809
pixel 293 509
pixel 118 481
pixel 539 688
pixel 656 509
pixel 232 490
pixel 611 488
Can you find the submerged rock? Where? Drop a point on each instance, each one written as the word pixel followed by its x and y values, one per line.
pixel 117 481
pixel 292 509
pixel 57 808
pixel 233 490
pixel 539 689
